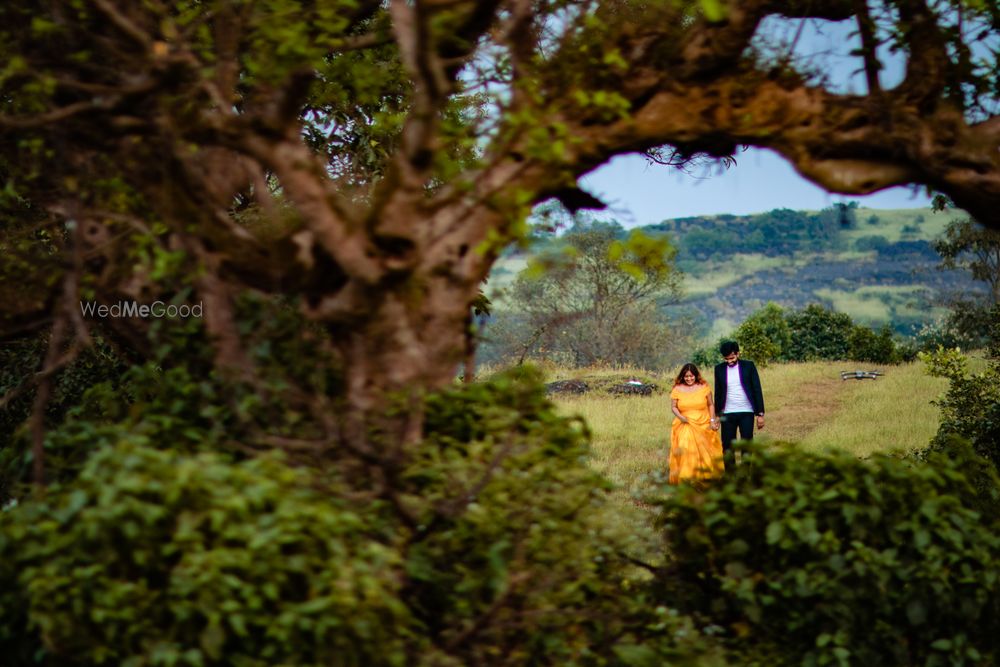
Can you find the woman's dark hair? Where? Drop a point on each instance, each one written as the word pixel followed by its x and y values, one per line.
pixel 694 369
pixel 728 347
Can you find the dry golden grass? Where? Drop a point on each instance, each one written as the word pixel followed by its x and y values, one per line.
pixel 892 413
pixel 807 404
pixel 630 434
pixel 799 397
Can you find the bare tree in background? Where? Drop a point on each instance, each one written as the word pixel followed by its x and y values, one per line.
pixel 597 300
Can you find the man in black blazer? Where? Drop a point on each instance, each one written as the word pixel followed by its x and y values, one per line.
pixel 739 399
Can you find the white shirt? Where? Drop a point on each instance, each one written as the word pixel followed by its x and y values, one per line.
pixel 736 398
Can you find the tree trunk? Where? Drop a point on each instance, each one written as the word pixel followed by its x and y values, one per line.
pixel 410 342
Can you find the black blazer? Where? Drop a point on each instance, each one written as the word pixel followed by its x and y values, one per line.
pixel 751 385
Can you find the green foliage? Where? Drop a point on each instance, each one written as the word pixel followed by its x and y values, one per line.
pixel 765 335
pixel 868 243
pixel 863 344
pixel 707 357
pixel 967 325
pixel 946 363
pixel 19 361
pixel 496 546
pixel 175 400
pixel 840 214
pixel 515 527
pixel 818 333
pixel 163 539
pixel 755 344
pixel 811 334
pixel 968 245
pixel 970 409
pixel 829 560
pixel 644 257
pixel 776 232
pixel 713 10
pixel 152 557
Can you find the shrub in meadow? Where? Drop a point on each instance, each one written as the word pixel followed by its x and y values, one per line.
pixel 831 560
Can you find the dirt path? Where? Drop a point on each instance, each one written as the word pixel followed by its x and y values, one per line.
pixel 794 411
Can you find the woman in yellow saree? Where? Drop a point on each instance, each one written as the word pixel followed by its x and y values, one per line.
pixel 695 445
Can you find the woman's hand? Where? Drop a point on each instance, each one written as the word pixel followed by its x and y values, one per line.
pixel 714 423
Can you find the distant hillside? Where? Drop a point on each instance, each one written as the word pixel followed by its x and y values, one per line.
pixel 876 265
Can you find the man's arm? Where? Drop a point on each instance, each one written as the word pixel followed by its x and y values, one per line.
pixel 720 387
pixel 758 395
pixel 758 392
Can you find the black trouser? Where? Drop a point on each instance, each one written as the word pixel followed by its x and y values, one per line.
pixel 731 421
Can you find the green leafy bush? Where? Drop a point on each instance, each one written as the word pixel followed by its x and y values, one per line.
pixel 707 357
pixel 20 360
pixel 867 345
pixel 175 400
pixel 755 344
pixel 490 542
pixel 818 333
pixel 517 555
pixel 970 408
pixel 967 325
pixel 764 336
pixel 154 558
pixel 813 333
pixel 873 242
pixel 829 560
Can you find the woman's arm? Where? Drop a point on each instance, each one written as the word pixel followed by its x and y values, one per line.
pixel 677 411
pixel 711 411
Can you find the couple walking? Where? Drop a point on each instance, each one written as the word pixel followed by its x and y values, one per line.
pixel 696 450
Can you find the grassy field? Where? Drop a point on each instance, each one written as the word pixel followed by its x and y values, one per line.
pixel 808 406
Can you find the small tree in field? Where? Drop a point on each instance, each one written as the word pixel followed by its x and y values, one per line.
pixel 764 336
pixel 819 333
pixel 597 300
pixel 755 344
pixel 970 408
pixel 864 344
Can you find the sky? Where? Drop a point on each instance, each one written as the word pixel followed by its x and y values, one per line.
pixel 640 194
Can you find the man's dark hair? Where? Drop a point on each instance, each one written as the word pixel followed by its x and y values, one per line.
pixel 728 347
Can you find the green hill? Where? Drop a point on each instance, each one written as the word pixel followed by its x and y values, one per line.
pixel 876 265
